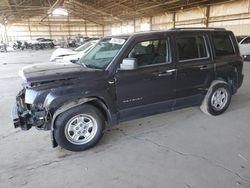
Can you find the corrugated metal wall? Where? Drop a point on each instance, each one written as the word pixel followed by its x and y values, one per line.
pixel 234 16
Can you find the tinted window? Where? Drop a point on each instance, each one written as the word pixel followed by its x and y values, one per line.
pixel 223 45
pixel 191 47
pixel 151 52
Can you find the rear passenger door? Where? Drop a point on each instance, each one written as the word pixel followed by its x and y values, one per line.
pixel 194 67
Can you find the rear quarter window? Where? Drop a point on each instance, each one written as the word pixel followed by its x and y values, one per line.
pixel 223 45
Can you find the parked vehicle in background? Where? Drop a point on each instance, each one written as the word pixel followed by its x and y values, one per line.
pixel 127 77
pixel 46 43
pixel 244 45
pixel 18 45
pixel 3 47
pixel 66 54
pixel 37 44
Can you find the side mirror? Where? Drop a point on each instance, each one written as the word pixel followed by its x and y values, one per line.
pixel 129 64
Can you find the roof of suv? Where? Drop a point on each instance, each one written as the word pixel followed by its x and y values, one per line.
pixel 169 30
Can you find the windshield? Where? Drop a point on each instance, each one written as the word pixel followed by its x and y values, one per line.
pixel 83 47
pixel 103 53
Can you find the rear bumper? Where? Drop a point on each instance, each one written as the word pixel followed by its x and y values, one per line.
pixel 240 80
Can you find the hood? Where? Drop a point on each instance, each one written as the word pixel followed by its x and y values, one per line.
pixel 60 52
pixel 77 56
pixel 71 57
pixel 49 72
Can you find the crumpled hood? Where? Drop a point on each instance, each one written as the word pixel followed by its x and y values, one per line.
pixel 47 72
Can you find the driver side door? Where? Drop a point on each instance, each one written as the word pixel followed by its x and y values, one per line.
pixel 148 89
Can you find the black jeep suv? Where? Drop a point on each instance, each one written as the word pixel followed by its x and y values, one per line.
pixel 126 77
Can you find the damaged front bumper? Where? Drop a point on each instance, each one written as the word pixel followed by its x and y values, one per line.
pixel 25 116
pixel 20 119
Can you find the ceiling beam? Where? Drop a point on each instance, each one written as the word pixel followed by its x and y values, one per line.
pixel 72 11
pixel 55 5
pixel 91 8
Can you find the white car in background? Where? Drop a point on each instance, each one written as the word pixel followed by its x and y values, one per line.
pixel 66 55
pixel 244 46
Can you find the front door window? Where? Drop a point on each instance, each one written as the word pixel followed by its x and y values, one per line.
pixel 151 52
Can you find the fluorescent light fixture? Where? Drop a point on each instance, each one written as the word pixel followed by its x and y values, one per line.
pixel 60 12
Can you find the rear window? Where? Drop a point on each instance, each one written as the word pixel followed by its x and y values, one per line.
pixel 223 45
pixel 191 48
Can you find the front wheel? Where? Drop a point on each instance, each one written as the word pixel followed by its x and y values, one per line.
pixel 79 128
pixel 217 99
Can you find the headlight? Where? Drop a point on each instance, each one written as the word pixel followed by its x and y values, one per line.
pixel 30 96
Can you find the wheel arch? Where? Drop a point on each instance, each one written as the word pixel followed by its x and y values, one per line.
pixel 95 101
pixel 231 78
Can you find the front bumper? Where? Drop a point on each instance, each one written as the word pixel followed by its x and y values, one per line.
pixel 25 115
pixel 15 117
pixel 20 120
pixel 20 113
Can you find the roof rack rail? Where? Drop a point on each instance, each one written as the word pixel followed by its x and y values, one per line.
pixel 198 28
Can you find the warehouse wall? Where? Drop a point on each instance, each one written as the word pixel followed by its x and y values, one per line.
pixel 233 15
pixel 52 27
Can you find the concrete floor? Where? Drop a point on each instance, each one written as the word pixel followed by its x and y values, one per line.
pixel 179 149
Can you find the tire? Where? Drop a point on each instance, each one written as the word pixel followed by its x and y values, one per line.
pixel 217 99
pixel 79 128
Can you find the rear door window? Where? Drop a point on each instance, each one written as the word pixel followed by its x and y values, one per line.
pixel 223 45
pixel 193 47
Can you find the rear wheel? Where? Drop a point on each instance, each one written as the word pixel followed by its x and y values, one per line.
pixel 217 99
pixel 79 128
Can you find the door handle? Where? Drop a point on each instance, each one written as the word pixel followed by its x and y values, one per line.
pixel 167 72
pixel 172 70
pixel 204 67
pixel 111 81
